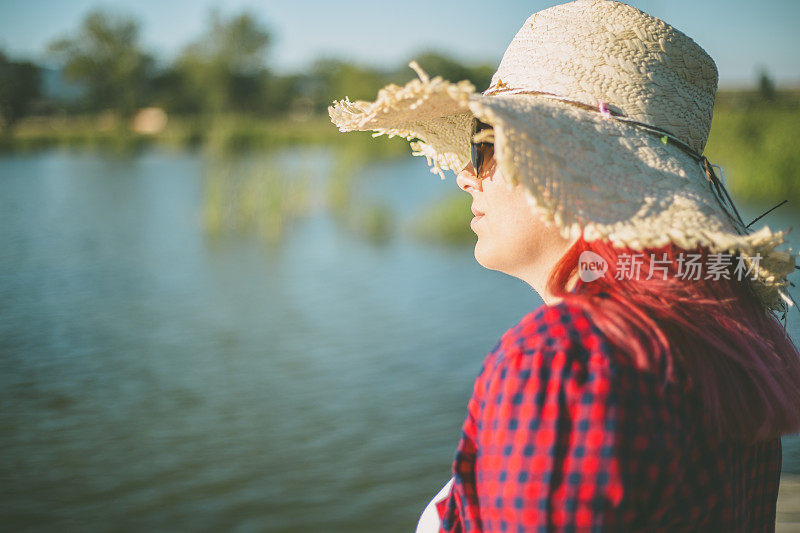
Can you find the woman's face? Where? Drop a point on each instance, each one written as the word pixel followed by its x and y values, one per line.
pixel 511 238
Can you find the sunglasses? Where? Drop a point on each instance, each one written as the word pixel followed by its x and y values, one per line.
pixel 481 152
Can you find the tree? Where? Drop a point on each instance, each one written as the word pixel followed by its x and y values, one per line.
pixel 282 94
pixel 333 79
pixel 105 56
pixel 226 68
pixel 436 64
pixel 766 87
pixel 20 85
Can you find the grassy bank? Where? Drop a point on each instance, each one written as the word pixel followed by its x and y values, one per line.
pixel 753 139
pixel 221 134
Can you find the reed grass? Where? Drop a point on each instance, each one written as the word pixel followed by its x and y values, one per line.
pixel 373 221
pixel 257 198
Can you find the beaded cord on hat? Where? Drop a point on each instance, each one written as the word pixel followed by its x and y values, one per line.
pixel 716 185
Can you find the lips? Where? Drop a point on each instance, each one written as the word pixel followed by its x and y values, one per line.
pixel 478 216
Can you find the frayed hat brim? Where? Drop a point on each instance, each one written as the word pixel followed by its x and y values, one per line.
pixel 582 171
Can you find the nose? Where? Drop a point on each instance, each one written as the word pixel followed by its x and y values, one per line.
pixel 467 179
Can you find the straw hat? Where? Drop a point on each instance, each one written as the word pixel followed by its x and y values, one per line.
pixel 602 112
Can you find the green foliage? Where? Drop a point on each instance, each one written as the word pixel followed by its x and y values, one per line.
pixel 19 87
pixel 766 87
pixel 348 164
pixel 219 91
pixel 333 79
pixel 753 140
pixel 436 64
pixel 373 221
pixel 253 197
pixel 446 221
pixel 173 93
pixel 283 96
pixel 105 56
pixel 225 69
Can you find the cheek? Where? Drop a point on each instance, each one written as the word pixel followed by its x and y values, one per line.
pixel 515 221
pixel 511 234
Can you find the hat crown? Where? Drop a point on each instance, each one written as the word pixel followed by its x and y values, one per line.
pixel 637 64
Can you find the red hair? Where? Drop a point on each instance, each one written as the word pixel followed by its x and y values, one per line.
pixel 710 336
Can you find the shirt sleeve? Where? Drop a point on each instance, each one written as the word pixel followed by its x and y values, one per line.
pixel 557 437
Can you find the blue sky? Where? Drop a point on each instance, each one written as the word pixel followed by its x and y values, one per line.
pixel 742 36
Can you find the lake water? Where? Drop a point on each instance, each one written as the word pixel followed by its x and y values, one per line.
pixel 155 377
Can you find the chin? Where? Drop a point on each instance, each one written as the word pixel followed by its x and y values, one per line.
pixel 485 257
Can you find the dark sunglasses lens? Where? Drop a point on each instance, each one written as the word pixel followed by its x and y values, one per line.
pixel 478 150
pixel 485 153
pixel 480 158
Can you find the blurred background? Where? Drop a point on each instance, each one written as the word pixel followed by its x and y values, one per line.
pixel 219 313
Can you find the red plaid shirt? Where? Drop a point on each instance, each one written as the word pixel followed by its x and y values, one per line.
pixel 563 433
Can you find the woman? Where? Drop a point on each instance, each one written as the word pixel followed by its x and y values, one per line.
pixel 651 389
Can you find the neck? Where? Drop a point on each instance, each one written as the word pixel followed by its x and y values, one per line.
pixel 537 276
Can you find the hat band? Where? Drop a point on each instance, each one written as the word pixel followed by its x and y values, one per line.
pixel 715 184
pixel 606 111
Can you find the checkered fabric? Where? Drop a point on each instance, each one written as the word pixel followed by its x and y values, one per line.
pixel 562 433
